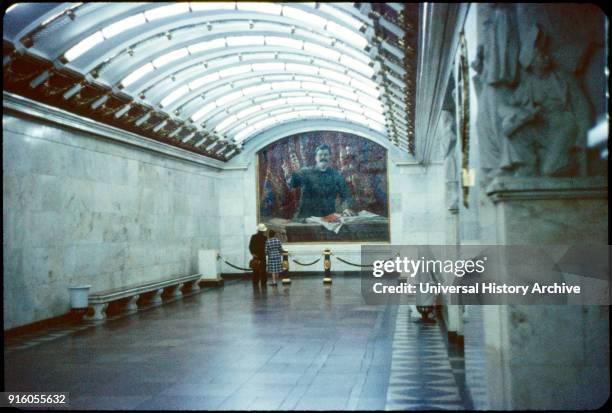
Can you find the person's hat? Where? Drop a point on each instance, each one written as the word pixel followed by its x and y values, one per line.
pixel 262 227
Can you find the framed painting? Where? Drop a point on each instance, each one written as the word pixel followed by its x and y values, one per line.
pixel 324 187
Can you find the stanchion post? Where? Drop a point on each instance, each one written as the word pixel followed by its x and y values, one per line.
pixel 327 266
pixel 285 266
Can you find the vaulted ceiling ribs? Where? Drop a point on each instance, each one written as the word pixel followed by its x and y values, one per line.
pixel 207 77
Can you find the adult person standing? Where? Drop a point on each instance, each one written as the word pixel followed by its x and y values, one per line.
pixel 257 247
pixel 320 186
pixel 274 251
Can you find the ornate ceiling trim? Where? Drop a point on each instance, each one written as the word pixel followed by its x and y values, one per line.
pixel 46 113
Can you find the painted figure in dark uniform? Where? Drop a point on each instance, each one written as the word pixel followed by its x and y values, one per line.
pixel 320 187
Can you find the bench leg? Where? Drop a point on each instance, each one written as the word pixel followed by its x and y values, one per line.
pixel 99 312
pixel 131 306
pixel 195 285
pixel 156 299
pixel 177 291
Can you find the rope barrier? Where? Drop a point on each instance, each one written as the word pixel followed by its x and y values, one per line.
pixel 305 265
pixel 219 257
pixel 355 265
pixel 359 265
pixel 238 268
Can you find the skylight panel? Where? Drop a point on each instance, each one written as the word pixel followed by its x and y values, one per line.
pixel 208 45
pixel 371 103
pixel 358 66
pixel 83 46
pixel 53 17
pixel 350 105
pixel 310 113
pixel 268 8
pixel 269 67
pixel 212 5
pixel 123 25
pixel 284 117
pixel 137 74
pixel 324 52
pixel 355 53
pixel 203 111
pixel 174 95
pixel 350 36
pixel 233 71
pixel 369 87
pixel 294 57
pixel 170 57
pixel 303 16
pixel 339 14
pixel 256 90
pixel 259 117
pixel 334 75
pixel 272 103
pixel 236 41
pixel 355 117
pixel 242 135
pixel 342 92
pixel 264 123
pixel 318 38
pixel 380 127
pixel 166 11
pixel 225 123
pixel 248 111
pixel 213 77
pixel 299 68
pixel 284 42
pixel 286 85
pixel 299 100
pixel 223 100
pixel 319 87
pixel 325 101
pixel 379 117
pixel 330 113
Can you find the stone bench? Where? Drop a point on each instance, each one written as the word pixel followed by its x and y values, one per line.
pixel 100 301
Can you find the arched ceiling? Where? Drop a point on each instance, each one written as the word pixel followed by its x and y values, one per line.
pixel 211 76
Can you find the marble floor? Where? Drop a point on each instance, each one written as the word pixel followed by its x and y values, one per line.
pixel 302 347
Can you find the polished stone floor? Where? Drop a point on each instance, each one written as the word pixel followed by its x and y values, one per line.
pixel 302 347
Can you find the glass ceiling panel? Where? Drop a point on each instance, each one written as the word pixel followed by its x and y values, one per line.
pixel 226 63
pixel 230 102
pixel 278 106
pixel 298 101
pixel 322 54
pixel 354 87
pixel 306 114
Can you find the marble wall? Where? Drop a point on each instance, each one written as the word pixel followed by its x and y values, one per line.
pixel 537 357
pixel 548 357
pixel 80 209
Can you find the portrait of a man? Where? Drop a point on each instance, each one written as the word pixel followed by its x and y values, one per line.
pixel 320 187
pixel 324 186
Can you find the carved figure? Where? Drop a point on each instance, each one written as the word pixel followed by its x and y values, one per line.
pixel 533 117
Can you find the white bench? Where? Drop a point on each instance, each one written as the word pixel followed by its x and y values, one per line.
pixel 100 301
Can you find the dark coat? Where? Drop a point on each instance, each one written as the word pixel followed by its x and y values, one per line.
pixel 257 246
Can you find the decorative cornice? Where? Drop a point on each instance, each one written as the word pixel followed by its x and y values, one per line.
pixel 34 77
pixel 61 117
pixel 538 188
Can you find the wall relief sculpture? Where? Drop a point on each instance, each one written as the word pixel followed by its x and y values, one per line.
pixel 448 140
pixel 533 114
